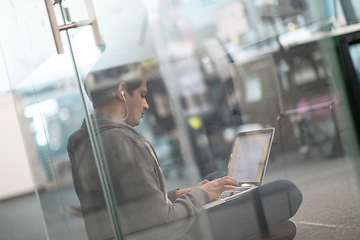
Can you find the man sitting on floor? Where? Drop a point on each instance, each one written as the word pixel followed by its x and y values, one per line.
pixel 143 204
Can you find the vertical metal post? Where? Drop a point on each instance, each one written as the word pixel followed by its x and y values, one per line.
pixel 337 130
pixel 56 29
pixel 54 26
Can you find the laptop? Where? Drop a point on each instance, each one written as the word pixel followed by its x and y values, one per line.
pixel 248 162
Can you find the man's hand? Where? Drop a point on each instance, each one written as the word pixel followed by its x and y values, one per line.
pixel 217 186
pixel 180 192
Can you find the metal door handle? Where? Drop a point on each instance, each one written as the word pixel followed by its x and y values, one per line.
pixel 56 29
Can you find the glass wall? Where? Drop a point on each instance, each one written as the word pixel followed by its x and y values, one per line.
pixel 153 101
pixel 48 107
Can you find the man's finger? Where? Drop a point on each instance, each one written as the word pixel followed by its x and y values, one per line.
pixel 229 187
pixel 203 182
pixel 229 180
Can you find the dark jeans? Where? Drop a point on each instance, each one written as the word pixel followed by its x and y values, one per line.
pixel 238 219
pixel 245 216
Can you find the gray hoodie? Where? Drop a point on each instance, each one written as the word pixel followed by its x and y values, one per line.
pixel 139 187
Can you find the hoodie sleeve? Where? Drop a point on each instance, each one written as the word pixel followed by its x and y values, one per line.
pixel 172 195
pixel 140 202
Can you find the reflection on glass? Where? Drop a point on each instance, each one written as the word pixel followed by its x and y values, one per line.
pixel 143 204
pixel 42 86
pixel 214 68
pixel 253 89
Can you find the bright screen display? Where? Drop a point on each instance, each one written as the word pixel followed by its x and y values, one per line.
pixel 248 157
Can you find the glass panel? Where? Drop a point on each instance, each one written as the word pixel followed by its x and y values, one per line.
pixel 212 69
pixel 176 90
pixel 113 57
pixel 15 175
pixel 47 102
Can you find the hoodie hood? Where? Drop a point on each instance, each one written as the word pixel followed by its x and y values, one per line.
pixel 103 122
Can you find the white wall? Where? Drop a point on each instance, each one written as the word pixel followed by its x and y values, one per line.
pixel 15 176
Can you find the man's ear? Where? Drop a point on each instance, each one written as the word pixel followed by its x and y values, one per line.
pixel 121 91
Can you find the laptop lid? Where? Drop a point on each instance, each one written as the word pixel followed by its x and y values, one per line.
pixel 250 155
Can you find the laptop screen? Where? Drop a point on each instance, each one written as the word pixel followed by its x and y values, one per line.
pixel 249 156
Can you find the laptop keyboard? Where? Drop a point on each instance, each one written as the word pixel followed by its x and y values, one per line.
pixel 229 193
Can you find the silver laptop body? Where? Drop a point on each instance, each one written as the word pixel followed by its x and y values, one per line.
pixel 248 162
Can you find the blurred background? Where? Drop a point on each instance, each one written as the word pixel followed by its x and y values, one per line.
pixel 219 67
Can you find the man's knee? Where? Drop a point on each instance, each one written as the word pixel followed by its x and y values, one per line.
pixel 282 195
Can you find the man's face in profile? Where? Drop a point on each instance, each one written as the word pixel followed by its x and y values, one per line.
pixel 137 105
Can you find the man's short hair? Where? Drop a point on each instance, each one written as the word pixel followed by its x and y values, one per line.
pixel 102 86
